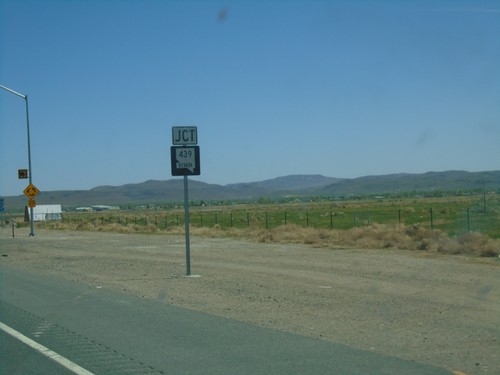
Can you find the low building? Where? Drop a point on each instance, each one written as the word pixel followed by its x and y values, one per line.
pixel 44 212
pixel 104 208
pixel 83 209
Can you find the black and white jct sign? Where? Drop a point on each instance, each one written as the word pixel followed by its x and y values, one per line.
pixel 184 135
pixel 185 160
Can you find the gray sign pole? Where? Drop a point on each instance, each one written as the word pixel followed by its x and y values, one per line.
pixel 25 97
pixel 186 226
pixel 30 175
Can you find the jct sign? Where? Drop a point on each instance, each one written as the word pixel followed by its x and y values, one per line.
pixel 184 135
pixel 184 154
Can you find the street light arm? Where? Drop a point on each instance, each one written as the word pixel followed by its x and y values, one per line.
pixel 14 92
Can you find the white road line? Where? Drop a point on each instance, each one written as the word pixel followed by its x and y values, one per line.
pixel 45 351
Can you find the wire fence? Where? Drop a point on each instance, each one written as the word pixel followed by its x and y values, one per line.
pixel 448 218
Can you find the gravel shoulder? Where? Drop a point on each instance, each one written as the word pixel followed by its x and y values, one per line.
pixel 434 309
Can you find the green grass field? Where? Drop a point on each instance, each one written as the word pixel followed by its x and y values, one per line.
pixel 452 215
pixel 448 225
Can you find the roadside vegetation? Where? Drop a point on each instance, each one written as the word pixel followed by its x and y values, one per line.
pixel 450 225
pixel 375 236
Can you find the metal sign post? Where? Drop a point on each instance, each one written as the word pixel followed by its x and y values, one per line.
pixel 186 226
pixel 185 161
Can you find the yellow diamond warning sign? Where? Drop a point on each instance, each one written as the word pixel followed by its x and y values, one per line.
pixel 31 191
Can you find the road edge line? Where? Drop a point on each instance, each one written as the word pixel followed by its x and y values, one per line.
pixel 45 351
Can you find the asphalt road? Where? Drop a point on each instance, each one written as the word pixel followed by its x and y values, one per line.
pixel 107 332
pixel 18 358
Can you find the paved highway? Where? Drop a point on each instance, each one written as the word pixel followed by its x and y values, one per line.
pixel 18 358
pixel 106 332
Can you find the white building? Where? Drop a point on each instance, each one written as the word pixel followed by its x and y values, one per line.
pixel 44 212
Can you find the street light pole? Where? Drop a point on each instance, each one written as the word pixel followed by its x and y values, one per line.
pixel 30 174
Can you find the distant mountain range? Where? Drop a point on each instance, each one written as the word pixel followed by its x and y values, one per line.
pixel 154 192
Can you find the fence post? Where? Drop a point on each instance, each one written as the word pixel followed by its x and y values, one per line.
pixel 285 218
pixel 248 219
pixel 432 219
pixel 331 220
pixel 484 197
pixel 266 221
pixel 201 219
pixel 399 216
pixel 468 220
pixel 307 219
pixel 231 218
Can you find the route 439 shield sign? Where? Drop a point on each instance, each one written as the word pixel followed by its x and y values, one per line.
pixel 185 160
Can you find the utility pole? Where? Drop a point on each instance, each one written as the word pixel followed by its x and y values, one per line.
pixel 30 174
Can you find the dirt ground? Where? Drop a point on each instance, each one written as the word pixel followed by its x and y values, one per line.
pixel 442 310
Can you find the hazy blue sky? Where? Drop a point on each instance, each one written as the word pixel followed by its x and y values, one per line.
pixel 339 88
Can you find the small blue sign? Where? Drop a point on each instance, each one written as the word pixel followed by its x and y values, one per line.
pixel 1 204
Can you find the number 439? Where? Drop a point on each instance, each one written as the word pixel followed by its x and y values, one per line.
pixel 185 154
